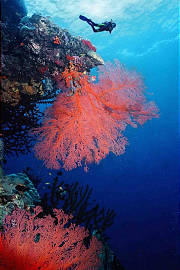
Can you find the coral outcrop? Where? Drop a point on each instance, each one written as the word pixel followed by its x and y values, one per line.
pixel 16 190
pixel 34 52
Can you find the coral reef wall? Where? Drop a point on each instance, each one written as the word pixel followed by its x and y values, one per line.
pixel 35 52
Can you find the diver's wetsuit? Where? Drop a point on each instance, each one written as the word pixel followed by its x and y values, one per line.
pixel 106 26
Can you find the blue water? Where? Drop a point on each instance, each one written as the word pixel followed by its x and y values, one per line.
pixel 142 186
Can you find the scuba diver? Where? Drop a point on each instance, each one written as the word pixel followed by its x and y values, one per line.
pixel 106 26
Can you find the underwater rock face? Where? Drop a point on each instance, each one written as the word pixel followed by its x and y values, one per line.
pixel 95 57
pixel 16 190
pixel 36 50
pixel 13 91
pixel 1 149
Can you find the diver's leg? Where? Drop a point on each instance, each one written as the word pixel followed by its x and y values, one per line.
pixel 89 21
pixel 93 28
pixel 92 24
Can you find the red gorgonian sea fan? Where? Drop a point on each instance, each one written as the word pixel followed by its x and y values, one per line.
pixel 31 243
pixel 89 44
pixel 84 128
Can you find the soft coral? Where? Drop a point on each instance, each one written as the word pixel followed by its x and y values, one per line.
pixel 88 125
pixel 32 243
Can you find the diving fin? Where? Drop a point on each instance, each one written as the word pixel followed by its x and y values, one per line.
pixel 83 18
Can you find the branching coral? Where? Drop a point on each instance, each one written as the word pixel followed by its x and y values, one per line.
pixel 36 243
pixel 85 127
pixel 73 199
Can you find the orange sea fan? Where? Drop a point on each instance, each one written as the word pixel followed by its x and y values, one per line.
pixel 31 243
pixel 85 127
